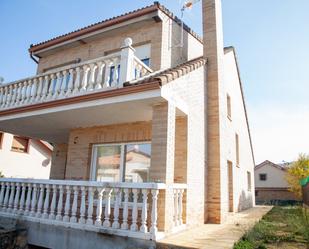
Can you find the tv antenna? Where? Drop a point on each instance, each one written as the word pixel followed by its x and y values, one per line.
pixel 187 5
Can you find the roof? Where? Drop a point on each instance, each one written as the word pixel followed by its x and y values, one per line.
pixel 165 76
pixel 267 162
pixel 110 22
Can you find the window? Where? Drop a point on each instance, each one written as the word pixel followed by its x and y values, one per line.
pixel 263 177
pixel 229 107
pixel 128 162
pixel 20 144
pixel 249 180
pixel 256 193
pixel 237 149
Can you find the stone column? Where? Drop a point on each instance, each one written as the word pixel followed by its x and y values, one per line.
pixel 162 159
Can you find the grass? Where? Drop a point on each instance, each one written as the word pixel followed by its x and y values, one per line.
pixel 282 227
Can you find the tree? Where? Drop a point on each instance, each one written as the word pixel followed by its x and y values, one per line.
pixel 297 171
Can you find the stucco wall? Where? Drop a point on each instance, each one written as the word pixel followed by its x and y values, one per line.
pixel 275 177
pixel 34 164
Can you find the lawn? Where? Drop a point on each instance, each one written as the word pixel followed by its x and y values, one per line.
pixel 282 227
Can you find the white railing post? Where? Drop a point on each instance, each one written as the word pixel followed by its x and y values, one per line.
pixel 180 193
pixel 98 221
pixel 124 224
pixel 126 62
pixel 134 211
pixel 154 213
pixel 46 202
pixel 66 217
pixel 77 81
pixel 70 83
pixel 33 200
pixel 60 203
pixel 2 194
pixel 22 199
pixel 11 199
pixel 143 227
pixel 82 206
pixel 28 200
pixel 73 218
pixel 90 206
pixel 175 196
pixel 53 204
pixel 99 79
pixel 116 224
pixel 40 202
pixel 107 210
pixel 16 200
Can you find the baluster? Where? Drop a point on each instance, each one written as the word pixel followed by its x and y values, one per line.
pixel 144 72
pixel 99 79
pixel 40 90
pixel 175 196
pixel 86 70
pixel 98 221
pixel 134 211
pixel 73 218
pixel 59 80
pixel 143 227
pixel 107 210
pixel 116 209
pixel 181 191
pixel 93 68
pixel 46 202
pixel 16 200
pixel 2 194
pixel 70 83
pixel 107 80
pixel 28 200
pixel 19 93
pixel 23 92
pixel 34 90
pixel 14 95
pixel 60 203
pixel 6 197
pixel 1 95
pixel 66 217
pixel 9 96
pixel 5 94
pixel 138 69
pixel 82 206
pixel 40 202
pixel 90 206
pixel 63 87
pixel 77 81
pixel 11 199
pixel 115 76
pixel 22 199
pixel 53 203
pixel 124 224
pixel 28 91
pixel 34 200
pixel 45 87
pixel 154 213
pixel 51 86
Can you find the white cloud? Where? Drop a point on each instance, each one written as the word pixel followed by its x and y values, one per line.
pixel 279 134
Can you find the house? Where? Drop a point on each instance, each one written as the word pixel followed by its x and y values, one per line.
pixel 271 185
pixel 22 157
pixel 146 142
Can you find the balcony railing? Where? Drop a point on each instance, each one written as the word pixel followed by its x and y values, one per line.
pixel 100 74
pixel 124 209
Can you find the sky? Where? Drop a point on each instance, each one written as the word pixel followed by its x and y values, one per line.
pixel 271 39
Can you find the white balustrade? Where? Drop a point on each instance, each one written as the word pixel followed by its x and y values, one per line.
pixel 80 204
pixel 99 74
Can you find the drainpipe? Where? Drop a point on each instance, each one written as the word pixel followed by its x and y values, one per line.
pixel 33 58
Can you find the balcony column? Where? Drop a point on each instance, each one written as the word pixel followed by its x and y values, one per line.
pixel 126 62
pixel 162 159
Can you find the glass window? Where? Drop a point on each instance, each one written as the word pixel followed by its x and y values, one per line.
pixel 108 163
pixel 229 107
pixel 137 162
pixel 121 162
pixel 20 144
pixel 263 177
pixel 237 149
pixel 249 180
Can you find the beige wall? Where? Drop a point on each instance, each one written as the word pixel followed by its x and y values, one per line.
pixel 59 160
pixel 266 195
pixel 34 164
pixel 275 177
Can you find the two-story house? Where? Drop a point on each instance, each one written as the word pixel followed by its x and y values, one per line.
pixel 149 126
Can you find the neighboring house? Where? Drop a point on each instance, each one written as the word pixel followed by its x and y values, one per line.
pixel 270 183
pixel 145 144
pixel 22 157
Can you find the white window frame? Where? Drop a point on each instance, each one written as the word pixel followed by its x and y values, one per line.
pixel 93 166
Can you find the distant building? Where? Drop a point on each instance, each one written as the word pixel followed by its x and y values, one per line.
pixel 270 183
pixel 21 157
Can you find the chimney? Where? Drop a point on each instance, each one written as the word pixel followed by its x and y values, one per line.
pixel 213 52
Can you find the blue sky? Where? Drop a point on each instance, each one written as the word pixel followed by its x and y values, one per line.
pixel 271 39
